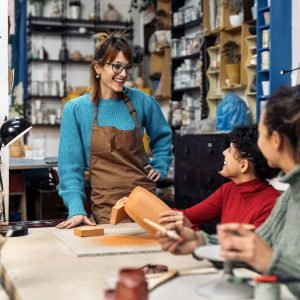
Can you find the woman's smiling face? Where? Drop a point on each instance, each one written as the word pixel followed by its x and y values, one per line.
pixel 232 163
pixel 112 83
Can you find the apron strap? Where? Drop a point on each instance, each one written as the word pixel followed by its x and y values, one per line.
pixel 95 120
pixel 132 110
pixel 129 105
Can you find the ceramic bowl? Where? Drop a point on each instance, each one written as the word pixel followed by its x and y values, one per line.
pixel 143 204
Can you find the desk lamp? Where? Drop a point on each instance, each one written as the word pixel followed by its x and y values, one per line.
pixel 11 130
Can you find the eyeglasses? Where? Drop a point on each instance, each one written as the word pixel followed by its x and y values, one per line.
pixel 118 68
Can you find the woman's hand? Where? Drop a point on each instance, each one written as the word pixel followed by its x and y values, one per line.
pixel 172 216
pixel 152 174
pixel 241 244
pixel 189 240
pixel 75 221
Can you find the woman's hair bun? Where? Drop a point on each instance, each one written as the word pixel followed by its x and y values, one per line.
pixel 100 38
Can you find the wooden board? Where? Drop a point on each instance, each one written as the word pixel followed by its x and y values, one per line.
pixel 115 240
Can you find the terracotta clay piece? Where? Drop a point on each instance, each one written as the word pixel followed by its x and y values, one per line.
pixel 143 204
pixel 85 231
pixel 118 213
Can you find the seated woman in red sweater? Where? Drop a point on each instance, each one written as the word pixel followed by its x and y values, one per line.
pixel 247 198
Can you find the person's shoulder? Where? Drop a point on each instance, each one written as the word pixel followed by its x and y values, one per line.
pixel 272 191
pixel 81 101
pixel 138 95
pixel 228 185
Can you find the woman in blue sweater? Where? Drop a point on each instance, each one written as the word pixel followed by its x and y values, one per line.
pixel 102 131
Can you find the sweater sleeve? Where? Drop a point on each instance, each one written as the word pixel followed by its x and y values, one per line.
pixel 286 267
pixel 207 210
pixel 71 162
pixel 160 135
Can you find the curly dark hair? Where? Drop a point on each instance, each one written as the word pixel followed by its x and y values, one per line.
pixel 282 114
pixel 244 139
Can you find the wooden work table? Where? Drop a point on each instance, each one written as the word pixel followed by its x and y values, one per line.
pixel 40 266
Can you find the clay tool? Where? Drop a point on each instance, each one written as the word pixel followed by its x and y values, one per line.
pixel 170 233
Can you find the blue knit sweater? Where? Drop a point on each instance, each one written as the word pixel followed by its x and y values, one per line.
pixel 75 139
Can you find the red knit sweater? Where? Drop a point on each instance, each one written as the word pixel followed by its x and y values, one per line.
pixel 249 202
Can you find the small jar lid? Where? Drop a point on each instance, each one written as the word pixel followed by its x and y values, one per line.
pixel 265 278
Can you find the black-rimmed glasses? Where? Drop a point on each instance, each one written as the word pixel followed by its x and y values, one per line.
pixel 118 68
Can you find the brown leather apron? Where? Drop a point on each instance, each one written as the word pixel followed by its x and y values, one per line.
pixel 117 162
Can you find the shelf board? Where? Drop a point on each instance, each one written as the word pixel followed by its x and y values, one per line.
pixel 56 61
pixel 252 48
pixel 214 72
pixel 188 25
pixel 79 62
pixel 234 87
pixel 261 97
pixel 251 37
pixel 46 61
pixel 251 94
pixel 190 56
pixel 233 29
pixel 263 27
pixel 264 71
pixel 250 66
pixel 214 48
pixel 263 9
pixel 44 97
pixel 187 89
pixel 264 49
pixel 46 125
pixel 217 97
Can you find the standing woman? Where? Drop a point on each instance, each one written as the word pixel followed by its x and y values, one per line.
pixel 102 131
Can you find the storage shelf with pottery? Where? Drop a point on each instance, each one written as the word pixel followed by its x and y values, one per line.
pixel 186 68
pixel 269 79
pixel 64 30
pixel 251 75
pixel 214 94
pixel 238 35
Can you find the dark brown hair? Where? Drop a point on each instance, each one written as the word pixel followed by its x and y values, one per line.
pixel 244 139
pixel 282 114
pixel 108 45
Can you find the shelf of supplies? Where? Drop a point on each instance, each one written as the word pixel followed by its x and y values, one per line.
pixel 188 25
pixel 190 56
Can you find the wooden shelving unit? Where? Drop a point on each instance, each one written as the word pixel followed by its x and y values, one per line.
pixel 251 74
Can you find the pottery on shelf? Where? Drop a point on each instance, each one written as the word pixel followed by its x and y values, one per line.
pixel 112 14
pixel 236 20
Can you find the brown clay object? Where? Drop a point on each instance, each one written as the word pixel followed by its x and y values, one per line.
pixel 143 204
pixel 132 285
pixel 118 212
pixel 86 231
